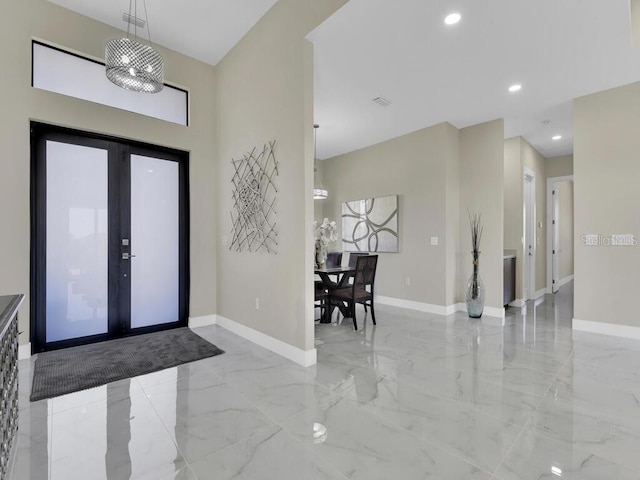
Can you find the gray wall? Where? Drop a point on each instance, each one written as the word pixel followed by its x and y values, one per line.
pixel 414 167
pixel 513 205
pixel 21 103
pixel 559 166
pixel 265 92
pixel 518 153
pixel 481 190
pixel 607 175
pixel 536 162
pixel 438 173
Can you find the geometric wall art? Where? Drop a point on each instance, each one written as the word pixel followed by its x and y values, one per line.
pixel 370 225
pixel 254 200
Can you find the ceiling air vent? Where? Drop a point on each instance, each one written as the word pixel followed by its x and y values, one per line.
pixel 138 22
pixel 383 102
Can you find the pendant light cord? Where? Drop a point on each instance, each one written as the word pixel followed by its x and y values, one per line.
pixel 315 156
pixel 133 7
pixel 146 17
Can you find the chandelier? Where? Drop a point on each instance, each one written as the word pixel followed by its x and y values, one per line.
pixel 319 192
pixel 131 64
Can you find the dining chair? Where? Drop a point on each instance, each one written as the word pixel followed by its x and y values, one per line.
pixel 321 301
pixel 357 292
pixel 353 256
pixel 334 259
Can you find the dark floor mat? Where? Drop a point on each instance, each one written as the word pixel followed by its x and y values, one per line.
pixel 78 368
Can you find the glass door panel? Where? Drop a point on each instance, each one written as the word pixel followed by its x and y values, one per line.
pixel 76 241
pixel 155 241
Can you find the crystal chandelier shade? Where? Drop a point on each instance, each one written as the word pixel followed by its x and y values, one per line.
pixel 320 193
pixel 133 65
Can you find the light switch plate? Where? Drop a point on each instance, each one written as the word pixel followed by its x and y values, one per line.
pixel 434 240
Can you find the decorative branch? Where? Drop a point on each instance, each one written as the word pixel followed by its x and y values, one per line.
pixel 475 222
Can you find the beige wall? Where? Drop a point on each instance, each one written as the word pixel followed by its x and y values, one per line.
pixel 481 191
pixel 559 166
pixel 265 92
pixel 536 162
pixel 565 206
pixel 451 151
pixel 417 167
pixel 21 103
pixel 606 196
pixel 513 200
pixel 438 173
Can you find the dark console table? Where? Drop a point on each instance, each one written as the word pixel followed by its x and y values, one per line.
pixel 8 379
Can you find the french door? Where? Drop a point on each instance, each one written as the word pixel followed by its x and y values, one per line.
pixel 109 238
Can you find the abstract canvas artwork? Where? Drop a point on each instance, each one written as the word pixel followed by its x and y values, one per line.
pixel 254 198
pixel 370 225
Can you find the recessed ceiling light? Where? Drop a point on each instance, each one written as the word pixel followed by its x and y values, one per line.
pixel 452 18
pixel 556 137
pixel 515 87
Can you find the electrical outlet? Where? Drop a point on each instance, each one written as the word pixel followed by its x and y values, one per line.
pixel 407 281
pixel 434 241
pixel 257 303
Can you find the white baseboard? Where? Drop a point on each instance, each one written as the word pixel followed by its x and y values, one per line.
pixel 518 303
pixel 295 354
pixel 203 321
pixel 419 306
pixel 565 280
pixel 487 311
pixel 540 293
pixel 24 351
pixel 437 309
pixel 625 331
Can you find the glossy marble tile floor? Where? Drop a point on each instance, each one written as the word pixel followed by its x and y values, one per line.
pixel 417 397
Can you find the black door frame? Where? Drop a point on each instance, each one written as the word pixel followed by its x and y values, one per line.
pixel 119 303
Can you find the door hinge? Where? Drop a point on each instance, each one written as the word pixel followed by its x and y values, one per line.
pixel 554 252
pixel 553 222
pixel 553 281
pixel 553 192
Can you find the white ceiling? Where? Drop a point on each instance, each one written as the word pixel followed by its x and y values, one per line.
pixel 403 51
pixel 202 29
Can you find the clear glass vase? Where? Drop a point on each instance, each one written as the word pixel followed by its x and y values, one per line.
pixel 475 293
pixel 321 256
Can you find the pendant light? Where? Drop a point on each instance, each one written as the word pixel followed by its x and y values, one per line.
pixel 131 64
pixel 319 192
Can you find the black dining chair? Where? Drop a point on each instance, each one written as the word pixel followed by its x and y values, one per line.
pixel 357 292
pixel 334 259
pixel 321 301
pixel 353 257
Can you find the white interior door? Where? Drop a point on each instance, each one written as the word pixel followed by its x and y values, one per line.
pixel 555 239
pixel 529 235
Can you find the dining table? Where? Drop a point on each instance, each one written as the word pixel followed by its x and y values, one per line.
pixel 341 278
